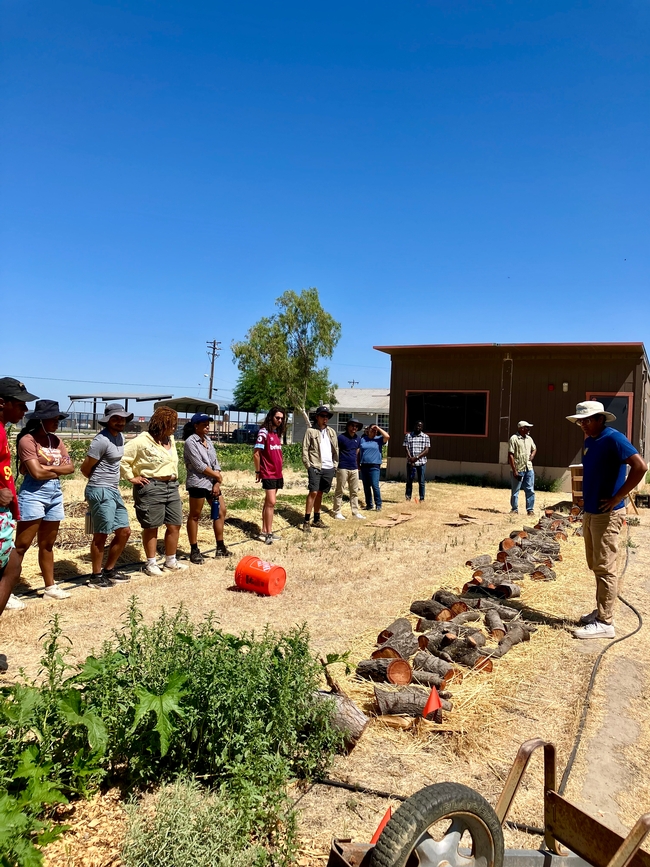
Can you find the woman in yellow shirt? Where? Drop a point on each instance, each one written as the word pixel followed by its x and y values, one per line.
pixel 150 464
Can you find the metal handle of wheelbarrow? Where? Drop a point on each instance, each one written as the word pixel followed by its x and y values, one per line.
pixel 567 824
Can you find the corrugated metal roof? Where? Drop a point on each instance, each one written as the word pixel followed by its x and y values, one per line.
pixel 359 399
pixel 603 346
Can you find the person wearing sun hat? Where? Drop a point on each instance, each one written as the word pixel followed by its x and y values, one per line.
pixel 43 459
pixel 14 398
pixel 347 473
pixel 521 453
pixel 606 454
pixel 109 515
pixel 320 455
pixel 203 483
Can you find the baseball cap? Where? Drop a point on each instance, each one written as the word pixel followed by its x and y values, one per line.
pixel 13 389
pixel 199 417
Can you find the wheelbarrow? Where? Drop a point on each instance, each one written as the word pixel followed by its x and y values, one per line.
pixel 451 825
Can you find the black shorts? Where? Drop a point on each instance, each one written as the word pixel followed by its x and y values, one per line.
pixel 200 493
pixel 320 480
pixel 272 484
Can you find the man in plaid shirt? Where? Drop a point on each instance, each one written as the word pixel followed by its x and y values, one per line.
pixel 417 445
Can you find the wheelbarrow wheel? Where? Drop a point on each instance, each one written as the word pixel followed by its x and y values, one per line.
pixel 446 824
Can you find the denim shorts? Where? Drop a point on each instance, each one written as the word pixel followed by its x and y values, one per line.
pixel 107 509
pixel 38 500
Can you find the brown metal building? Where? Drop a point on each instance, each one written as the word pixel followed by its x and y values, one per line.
pixel 470 398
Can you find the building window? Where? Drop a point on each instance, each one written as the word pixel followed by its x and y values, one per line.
pixel 382 420
pixel 619 403
pixel 344 418
pixel 454 413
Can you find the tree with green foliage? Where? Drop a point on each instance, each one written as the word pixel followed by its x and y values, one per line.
pixel 281 353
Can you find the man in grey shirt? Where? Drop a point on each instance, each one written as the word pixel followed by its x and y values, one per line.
pixel 109 515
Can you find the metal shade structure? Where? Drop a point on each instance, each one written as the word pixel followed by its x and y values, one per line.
pixel 190 405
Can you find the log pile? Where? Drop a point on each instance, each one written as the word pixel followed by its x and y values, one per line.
pixel 470 630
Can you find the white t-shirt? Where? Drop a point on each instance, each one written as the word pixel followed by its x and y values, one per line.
pixel 326 450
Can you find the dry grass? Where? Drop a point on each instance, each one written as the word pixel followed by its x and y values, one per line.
pixel 347 583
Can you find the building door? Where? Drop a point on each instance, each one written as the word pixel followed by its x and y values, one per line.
pixel 620 403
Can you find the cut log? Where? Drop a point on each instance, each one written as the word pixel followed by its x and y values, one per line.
pixel 543 573
pixel 450 601
pixel 435 640
pixel 494 623
pixel 430 609
pixel 481 560
pixel 465 617
pixel 516 633
pixel 466 653
pixel 423 661
pixel 428 678
pixel 475 636
pixel 424 625
pixel 397 626
pixel 410 701
pixel 396 671
pixel 484 573
pixel 503 611
pixel 401 646
pixel 507 544
pixel 506 590
pixel 346 717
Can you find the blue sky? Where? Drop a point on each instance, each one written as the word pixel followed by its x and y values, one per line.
pixel 442 172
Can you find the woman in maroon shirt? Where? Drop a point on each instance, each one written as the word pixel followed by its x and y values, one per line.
pixel 267 457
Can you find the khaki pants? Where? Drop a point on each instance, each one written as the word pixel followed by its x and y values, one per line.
pixel 351 479
pixel 601 549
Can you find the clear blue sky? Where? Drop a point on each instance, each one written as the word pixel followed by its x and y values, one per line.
pixel 442 172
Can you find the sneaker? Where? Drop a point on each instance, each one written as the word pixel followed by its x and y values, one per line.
pixel 14 603
pixel 196 557
pixel 175 566
pixel 589 618
pixel 114 576
pixel 222 552
pixel 275 537
pixel 514 512
pixel 531 514
pixel 262 537
pixel 319 525
pixel 306 527
pixel 98 582
pixel 369 508
pixel 153 570
pixel 408 499
pixel 377 508
pixel 269 539
pixel 360 516
pixel 55 592
pixel 595 630
pixel 339 517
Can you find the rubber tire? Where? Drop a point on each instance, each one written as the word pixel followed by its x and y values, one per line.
pixel 421 810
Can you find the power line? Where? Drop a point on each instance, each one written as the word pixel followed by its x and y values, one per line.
pixel 101 382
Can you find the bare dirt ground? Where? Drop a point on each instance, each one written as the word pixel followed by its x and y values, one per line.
pixel 347 583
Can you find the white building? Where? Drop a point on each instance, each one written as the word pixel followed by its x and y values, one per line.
pixel 368 405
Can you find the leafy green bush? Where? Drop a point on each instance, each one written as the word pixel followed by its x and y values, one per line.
pixel 161 701
pixel 189 826
pixel 238 456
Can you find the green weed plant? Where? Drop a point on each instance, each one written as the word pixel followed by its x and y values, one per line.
pixel 161 701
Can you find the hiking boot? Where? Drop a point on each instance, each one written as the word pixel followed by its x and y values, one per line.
pixel 596 629
pixel 222 551
pixel 115 576
pixel 55 592
pixel 98 582
pixel 589 618
pixel 197 558
pixel 154 570
pixel 14 603
pixel 319 525
pixel 306 527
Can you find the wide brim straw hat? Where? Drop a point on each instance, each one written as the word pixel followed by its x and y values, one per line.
pixel 588 408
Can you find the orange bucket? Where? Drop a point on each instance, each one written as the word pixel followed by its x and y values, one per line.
pixel 260 576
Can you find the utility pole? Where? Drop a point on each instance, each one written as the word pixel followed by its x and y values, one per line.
pixel 353 382
pixel 214 348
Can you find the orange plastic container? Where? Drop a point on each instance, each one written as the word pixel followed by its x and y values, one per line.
pixel 260 576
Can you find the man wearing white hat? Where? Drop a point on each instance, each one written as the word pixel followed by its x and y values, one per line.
pixel 605 455
pixel 521 451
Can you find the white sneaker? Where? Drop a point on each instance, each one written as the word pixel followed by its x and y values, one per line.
pixel 596 630
pixel 589 618
pixel 14 603
pixel 360 516
pixel 154 571
pixel 262 536
pixel 175 566
pixel 55 592
pixel 339 517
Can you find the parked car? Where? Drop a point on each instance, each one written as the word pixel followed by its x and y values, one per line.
pixel 246 433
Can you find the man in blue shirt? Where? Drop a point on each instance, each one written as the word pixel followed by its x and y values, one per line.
pixel 606 454
pixel 347 473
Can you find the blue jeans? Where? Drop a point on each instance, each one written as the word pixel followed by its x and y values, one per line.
pixel 370 479
pixel 526 481
pixel 412 473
